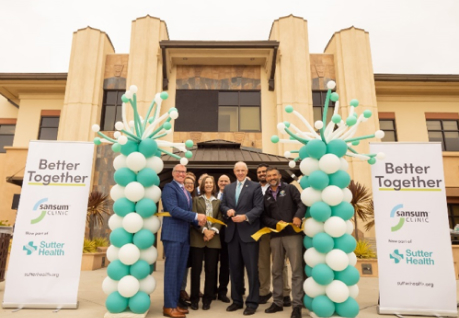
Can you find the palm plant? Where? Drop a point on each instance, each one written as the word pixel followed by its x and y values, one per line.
pixel 363 206
pixel 96 210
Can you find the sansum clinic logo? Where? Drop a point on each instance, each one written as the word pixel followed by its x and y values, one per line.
pixel 404 216
pixel 44 208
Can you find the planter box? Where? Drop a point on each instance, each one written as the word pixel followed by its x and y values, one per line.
pixel 456 260
pixel 367 267
pixel 92 261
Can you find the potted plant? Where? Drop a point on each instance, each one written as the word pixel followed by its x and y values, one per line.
pixel 367 263
pixel 5 246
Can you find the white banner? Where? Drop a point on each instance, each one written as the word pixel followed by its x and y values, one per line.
pixel 45 262
pixel 416 272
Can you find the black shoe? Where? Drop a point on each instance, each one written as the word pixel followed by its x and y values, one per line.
pixel 296 313
pixel 264 299
pixel 273 308
pixel 249 311
pixel 206 306
pixel 183 303
pixel 223 298
pixel 287 301
pixel 194 305
pixel 233 307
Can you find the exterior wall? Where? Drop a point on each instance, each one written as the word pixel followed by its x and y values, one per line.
pixel 7 110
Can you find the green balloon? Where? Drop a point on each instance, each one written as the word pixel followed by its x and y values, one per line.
pixel 337 147
pixel 354 103
pixel 140 269
pixel 116 303
pixel 303 153
pixel 308 212
pixel 323 274
pixel 124 98
pixel 308 271
pixel 143 239
pixel 351 120
pixel 172 109
pixel 307 301
pixel 148 147
pixel 304 182
pixel 355 114
pixel 97 141
pixel 152 268
pixel 367 113
pixel 146 207
pixel 340 179
pixel 124 176
pixel 323 307
pixel 147 177
pixel 320 211
pixel 275 139
pixel 318 180
pixel 188 154
pixel 336 119
pixel 120 237
pixel 346 243
pixel 356 142
pixel 189 143
pixel 116 147
pixel 307 242
pixel 350 275
pixel 123 206
pixel 348 308
pixel 164 95
pixel 129 147
pixel 158 154
pixel 139 303
pixel 316 148
pixel 117 270
pixel 287 124
pixel 323 242
pixel 334 96
pixel 167 125
pixel 372 161
pixel 289 108
pixel 344 210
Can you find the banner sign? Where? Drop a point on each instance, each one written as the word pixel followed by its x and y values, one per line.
pixel 45 260
pixel 416 271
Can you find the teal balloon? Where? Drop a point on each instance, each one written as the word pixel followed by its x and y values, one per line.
pixel 340 179
pixel 117 270
pixel 307 242
pixel 354 103
pixel 158 154
pixel 124 176
pixel 356 142
pixel 316 148
pixel 129 147
pixel 372 161
pixel 323 307
pixel 143 239
pixel 167 125
pixel 318 180
pixel 334 97
pixel 344 210
pixel 97 141
pixel 172 109
pixel 350 275
pixel 275 139
pixel 355 115
pixel 320 211
pixel 346 243
pixel 148 147
pixel 140 269
pixel 164 95
pixel 124 98
pixel 287 124
pixel 120 237
pixel 147 177
pixel 336 119
pixel 116 303
pixel 188 154
pixel 289 108
pixel 348 308
pixel 304 182
pixel 303 153
pixel 146 207
pixel 189 143
pixel 323 274
pixel 307 301
pixel 123 206
pixel 152 268
pixel 351 120
pixel 139 303
pixel 308 271
pixel 308 213
pixel 116 147
pixel 367 113
pixel 337 147
pixel 323 242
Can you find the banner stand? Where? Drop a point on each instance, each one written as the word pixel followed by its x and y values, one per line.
pixel 41 306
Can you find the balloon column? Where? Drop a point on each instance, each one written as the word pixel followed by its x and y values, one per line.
pixel 331 286
pixel 136 194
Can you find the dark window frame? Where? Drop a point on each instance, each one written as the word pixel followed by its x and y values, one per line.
pixel 393 130
pixel 42 126
pixel 2 149
pixel 451 219
pixel 323 96
pixel 105 104
pixel 442 131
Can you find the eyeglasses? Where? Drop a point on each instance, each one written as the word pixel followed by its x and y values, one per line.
pixel 179 171
pixel 189 183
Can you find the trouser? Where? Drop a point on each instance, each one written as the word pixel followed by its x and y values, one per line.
pixel 174 269
pixel 210 256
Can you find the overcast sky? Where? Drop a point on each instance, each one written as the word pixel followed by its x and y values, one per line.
pixel 406 36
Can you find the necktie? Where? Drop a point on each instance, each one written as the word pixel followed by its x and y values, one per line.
pixel 186 194
pixel 238 190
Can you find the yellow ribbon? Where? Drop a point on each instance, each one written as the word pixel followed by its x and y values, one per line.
pixel 280 226
pixel 209 218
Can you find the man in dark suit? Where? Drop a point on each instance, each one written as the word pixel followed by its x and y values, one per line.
pixel 242 206
pixel 175 235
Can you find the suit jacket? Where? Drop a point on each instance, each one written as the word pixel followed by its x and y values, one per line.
pixel 250 203
pixel 177 227
pixel 196 236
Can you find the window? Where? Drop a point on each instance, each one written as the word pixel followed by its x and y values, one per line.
pixel 239 111
pixel 6 136
pixel 111 109
pixel 318 101
pixel 49 126
pixel 388 126
pixel 453 215
pixel 445 131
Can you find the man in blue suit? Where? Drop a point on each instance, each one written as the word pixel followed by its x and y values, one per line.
pixel 175 235
pixel 242 206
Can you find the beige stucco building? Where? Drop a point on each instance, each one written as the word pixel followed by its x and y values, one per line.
pixel 234 91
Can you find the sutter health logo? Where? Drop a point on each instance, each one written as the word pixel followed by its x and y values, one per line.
pixel 29 248
pixel 410 257
pixel 48 209
pixel 405 216
pixel 45 248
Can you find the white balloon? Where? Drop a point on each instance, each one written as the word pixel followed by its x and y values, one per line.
pixel 287 154
pixel 95 128
pixel 128 286
pixel 112 253
pixel 337 291
pixel 116 134
pixel 119 125
pixel 337 260
pixel 152 224
pixel 122 140
pixel 329 163
pixel 331 84
pixel 115 221
pixel 312 289
pixel 119 162
pixel 156 164
pixel 380 156
pixel 292 164
pixel 128 94
pixel 354 291
pixel 309 196
pixel 136 161
pixel 149 255
pixel 132 222
pixel 344 165
pixel 134 191
pixel 174 114
pixel 312 227
pixel 379 134
pixel 133 89
pixel 183 161
pixel 312 257
pixel 349 227
pixel 352 259
pixel 347 195
pixel 109 285
pixel 319 124
pixel 332 195
pixel 129 254
pixel 335 226
pixel 153 193
pixel 117 192
pixel 148 284
pixel 309 165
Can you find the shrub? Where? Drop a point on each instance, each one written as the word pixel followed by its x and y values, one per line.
pixel 364 250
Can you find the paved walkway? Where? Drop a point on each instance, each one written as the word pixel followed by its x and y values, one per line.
pixel 91 301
